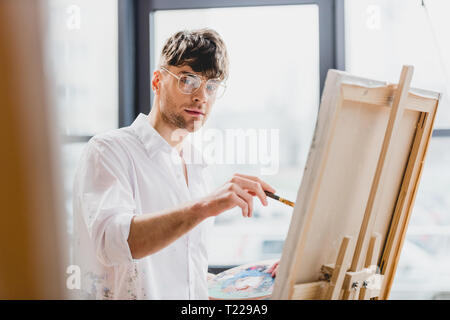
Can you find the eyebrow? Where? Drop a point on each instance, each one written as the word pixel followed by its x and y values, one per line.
pixel 191 73
pixel 188 72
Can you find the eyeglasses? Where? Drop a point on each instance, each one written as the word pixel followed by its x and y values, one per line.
pixel 189 83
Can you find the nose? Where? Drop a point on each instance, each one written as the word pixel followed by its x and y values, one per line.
pixel 200 95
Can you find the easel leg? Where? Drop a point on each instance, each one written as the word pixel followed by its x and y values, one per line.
pixel 340 268
pixel 371 260
pixel 395 117
pixel 348 295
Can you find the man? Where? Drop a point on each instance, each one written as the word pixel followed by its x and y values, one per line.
pixel 140 208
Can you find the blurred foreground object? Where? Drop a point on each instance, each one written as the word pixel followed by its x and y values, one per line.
pixel 31 263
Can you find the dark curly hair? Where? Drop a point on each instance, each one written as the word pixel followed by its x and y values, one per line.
pixel 203 50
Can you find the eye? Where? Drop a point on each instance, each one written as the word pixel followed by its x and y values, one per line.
pixel 189 82
pixel 212 85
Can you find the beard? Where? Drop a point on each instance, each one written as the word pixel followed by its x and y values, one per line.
pixel 173 118
pixel 171 115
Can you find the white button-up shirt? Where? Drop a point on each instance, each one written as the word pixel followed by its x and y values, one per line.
pixel 127 172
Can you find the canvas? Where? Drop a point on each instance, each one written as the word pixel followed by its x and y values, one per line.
pixel 358 188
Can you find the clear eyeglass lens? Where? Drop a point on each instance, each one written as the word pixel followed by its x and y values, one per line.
pixel 219 90
pixel 189 84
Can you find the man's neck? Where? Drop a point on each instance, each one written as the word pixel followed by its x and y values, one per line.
pixel 166 130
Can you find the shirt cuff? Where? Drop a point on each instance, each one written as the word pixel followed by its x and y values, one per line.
pixel 117 250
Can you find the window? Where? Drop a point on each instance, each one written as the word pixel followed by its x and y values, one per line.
pixel 381 36
pixel 264 43
pixel 81 60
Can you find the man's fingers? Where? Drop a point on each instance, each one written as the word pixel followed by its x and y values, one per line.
pixel 244 188
pixel 241 203
pixel 272 267
pixel 274 272
pixel 241 193
pixel 253 186
pixel 247 198
pixel 264 184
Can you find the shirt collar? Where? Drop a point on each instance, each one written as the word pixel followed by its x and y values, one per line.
pixel 150 138
pixel 154 143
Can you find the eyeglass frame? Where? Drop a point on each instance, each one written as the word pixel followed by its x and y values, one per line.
pixel 202 80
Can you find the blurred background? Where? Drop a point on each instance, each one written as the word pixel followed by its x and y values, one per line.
pixel 100 56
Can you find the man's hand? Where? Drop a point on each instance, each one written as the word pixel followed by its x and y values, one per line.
pixel 238 191
pixel 273 269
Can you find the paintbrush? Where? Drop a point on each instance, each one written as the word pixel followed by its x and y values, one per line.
pixel 274 196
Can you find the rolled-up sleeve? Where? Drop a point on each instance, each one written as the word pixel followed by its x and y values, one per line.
pixel 106 201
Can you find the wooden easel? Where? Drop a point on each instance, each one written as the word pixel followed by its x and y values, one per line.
pixel 342 284
pixel 356 273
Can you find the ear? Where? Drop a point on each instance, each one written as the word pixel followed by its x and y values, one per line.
pixel 156 82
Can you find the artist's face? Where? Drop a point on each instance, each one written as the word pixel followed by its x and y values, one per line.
pixel 180 110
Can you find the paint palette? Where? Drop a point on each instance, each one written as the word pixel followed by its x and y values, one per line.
pixel 249 281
